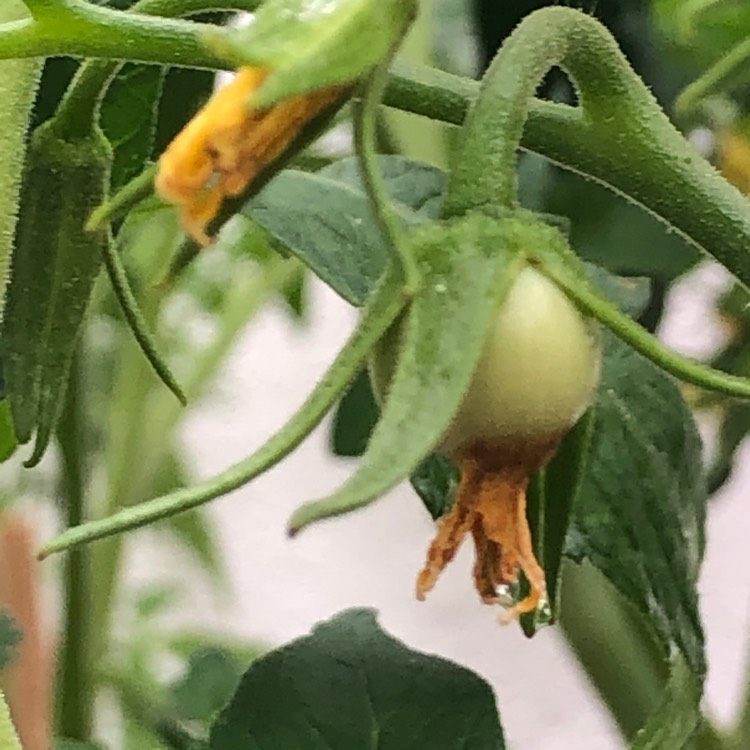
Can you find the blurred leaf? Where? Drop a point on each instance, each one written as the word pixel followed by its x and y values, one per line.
pixel 308 45
pixel 609 231
pixel 152 601
pixel 355 418
pixel 8 443
pixel 349 685
pixel 10 637
pixel 325 218
pixel 411 183
pixel 128 118
pixel 193 529
pixel 328 225
pixel 454 46
pixel 212 677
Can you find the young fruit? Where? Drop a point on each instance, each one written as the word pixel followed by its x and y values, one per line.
pixel 535 377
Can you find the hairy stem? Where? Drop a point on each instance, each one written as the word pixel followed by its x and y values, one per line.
pixel 657 169
pixel 365 141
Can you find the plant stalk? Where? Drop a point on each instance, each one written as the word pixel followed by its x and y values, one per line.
pixel 75 684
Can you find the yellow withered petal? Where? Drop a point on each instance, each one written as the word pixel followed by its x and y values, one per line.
pixel 224 148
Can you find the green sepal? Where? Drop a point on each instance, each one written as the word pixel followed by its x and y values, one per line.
pixel 55 263
pixel 468 265
pixel 382 309
pixel 314 44
pixel 18 84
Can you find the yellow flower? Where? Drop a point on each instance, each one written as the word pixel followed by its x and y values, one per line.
pixel 224 148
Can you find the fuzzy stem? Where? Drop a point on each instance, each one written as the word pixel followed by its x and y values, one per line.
pixel 687 370
pixel 365 140
pixel 608 90
pixel 80 29
pixel 645 159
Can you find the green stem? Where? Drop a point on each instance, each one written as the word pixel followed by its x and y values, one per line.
pixel 687 370
pixel 140 328
pixel 384 306
pixel 80 106
pixel 75 691
pixel 365 137
pixel 86 30
pixel 637 154
pixel 634 150
pixel 730 71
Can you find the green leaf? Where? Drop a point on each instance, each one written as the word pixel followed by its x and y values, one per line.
pixel 355 418
pixel 212 677
pixel 641 514
pixel 128 118
pixel 325 219
pixel 349 685
pixel 8 443
pixel 326 224
pixel 640 519
pixel 10 637
pixel 309 44
pixel 468 265
pixel 435 480
pixel 410 183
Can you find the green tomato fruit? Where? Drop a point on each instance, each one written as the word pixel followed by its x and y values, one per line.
pixel 535 377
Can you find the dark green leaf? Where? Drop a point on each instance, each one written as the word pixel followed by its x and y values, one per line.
pixel 328 225
pixel 10 637
pixel 641 513
pixel 212 677
pixel 410 183
pixel 128 118
pixel 356 417
pixel 435 481
pixel 349 685
pixel 309 45
pixel 325 219
pixel 640 520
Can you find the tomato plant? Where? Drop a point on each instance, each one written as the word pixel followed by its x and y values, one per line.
pixel 505 360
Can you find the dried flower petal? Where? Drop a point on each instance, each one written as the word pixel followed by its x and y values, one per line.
pixel 228 144
pixel 491 504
